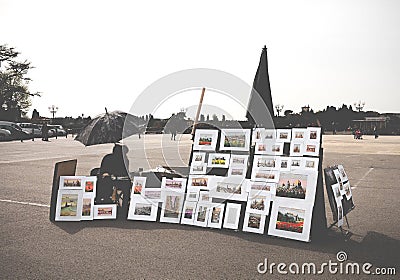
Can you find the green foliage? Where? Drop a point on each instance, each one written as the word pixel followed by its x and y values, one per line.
pixel 15 96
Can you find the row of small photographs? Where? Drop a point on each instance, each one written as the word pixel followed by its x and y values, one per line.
pixel 342 182
pixel 75 205
pixel 286 135
pixel 284 163
pixel 297 148
pixel 86 183
pixel 203 214
pixel 231 140
pixel 237 163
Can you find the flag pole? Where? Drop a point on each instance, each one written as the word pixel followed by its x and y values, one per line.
pixel 198 111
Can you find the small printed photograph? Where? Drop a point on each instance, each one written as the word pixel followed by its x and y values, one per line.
pixel 299 133
pixel 201 214
pixel 198 158
pixel 258 134
pixel 103 211
pixel 254 221
pixel 204 196
pixel 260 186
pixel 314 133
pixel 198 169
pixel 276 148
pixel 176 184
pixel 311 163
pixel 232 215
pixel 340 213
pixel 269 134
pixel 138 184
pixel 89 185
pixel 265 175
pixel 290 219
pixel 284 135
pixel 296 148
pixel 143 209
pixel 225 187
pixel 347 190
pixel 205 139
pixel 295 163
pixel 265 162
pixel 258 203
pixel 189 212
pixel 342 172
pixel 152 193
pixel 239 160
pixel 192 195
pixel 69 205
pixel 172 206
pixel 199 182
pixel 218 160
pixel 235 139
pixel 292 185
pixel 216 215
pixel 87 207
pixel 238 171
pixel 284 164
pixel 261 147
pixel 72 182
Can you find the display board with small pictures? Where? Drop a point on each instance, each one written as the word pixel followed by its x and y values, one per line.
pixel 339 192
pixel 75 198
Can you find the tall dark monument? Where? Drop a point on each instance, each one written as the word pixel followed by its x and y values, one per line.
pixel 260 110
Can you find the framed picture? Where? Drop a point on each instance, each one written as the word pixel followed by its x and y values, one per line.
pixel 90 184
pixel 237 171
pixel 299 185
pixel 153 194
pixel 229 188
pixel 239 160
pixel 342 172
pixel 262 148
pixel 269 135
pixel 198 158
pixel 290 221
pixel 310 163
pixel 235 140
pixel 261 188
pixel 347 190
pixel 202 213
pixel 204 196
pixel 216 215
pixel 205 139
pixel 258 134
pixel 296 149
pixel 138 185
pixel 264 174
pixel 69 205
pixel 254 222
pixel 188 213
pixel 198 169
pixel 259 204
pixel 296 163
pixel 105 211
pixel 299 134
pixel 175 184
pixel 311 148
pixel 72 182
pixel 192 195
pixel 336 191
pixel 284 135
pixel 339 180
pixel 232 215
pixel 313 134
pixel 218 160
pixel 199 182
pixel 171 209
pixel 276 148
pixel 142 209
pixel 266 162
pixel 87 207
pixel 285 163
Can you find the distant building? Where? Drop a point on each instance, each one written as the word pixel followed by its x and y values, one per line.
pixel 368 124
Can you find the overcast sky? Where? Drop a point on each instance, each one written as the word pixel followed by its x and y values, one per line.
pixel 94 54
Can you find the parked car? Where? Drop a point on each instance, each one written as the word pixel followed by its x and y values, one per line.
pixel 15 130
pixel 55 128
pixel 32 129
pixel 5 134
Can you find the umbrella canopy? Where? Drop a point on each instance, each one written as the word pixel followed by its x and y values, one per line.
pixel 260 108
pixel 109 128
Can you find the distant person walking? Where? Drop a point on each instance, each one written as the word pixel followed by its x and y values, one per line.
pixel 376 132
pixel 45 132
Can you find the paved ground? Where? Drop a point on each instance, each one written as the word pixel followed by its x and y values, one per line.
pixel 33 247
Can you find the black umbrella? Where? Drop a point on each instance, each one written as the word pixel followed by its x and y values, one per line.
pixel 109 128
pixel 260 110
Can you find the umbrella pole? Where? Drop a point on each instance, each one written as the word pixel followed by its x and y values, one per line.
pixel 198 111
